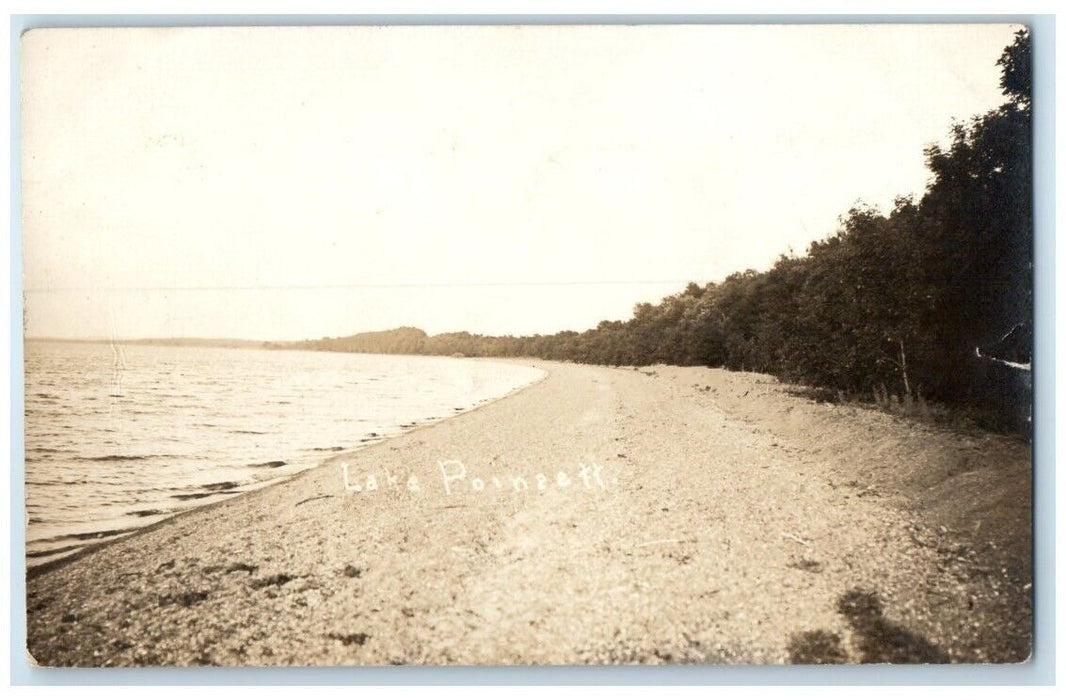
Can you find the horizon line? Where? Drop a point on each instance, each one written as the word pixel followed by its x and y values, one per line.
pixel 369 285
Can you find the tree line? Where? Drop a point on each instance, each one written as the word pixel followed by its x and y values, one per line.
pixel 893 302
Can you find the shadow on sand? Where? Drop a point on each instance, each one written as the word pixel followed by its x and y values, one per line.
pixel 878 640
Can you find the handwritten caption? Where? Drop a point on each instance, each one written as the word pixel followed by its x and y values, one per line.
pixel 455 478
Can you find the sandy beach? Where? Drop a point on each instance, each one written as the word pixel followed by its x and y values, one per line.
pixel 653 515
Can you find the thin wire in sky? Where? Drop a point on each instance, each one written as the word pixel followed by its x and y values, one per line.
pixel 393 285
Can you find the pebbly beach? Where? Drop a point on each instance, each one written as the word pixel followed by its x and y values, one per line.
pixel 600 515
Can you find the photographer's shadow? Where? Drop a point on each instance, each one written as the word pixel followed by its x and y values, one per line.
pixel 879 640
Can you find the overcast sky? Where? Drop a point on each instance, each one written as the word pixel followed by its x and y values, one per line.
pixel 291 183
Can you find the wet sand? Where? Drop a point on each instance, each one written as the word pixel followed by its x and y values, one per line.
pixel 660 515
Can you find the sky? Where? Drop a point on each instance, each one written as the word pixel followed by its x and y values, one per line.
pixel 287 183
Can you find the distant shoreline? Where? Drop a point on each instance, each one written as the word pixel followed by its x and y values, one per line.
pixel 274 345
pixel 183 342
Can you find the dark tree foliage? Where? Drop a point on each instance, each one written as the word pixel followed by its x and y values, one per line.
pixel 1017 64
pixel 893 303
pixel 400 341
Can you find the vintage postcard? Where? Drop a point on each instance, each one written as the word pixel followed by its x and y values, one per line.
pixel 527 345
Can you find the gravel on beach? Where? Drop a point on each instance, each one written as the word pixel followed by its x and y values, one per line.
pixel 602 515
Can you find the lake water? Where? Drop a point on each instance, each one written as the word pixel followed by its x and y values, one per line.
pixel 121 436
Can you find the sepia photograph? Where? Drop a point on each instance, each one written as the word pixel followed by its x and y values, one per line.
pixel 527 344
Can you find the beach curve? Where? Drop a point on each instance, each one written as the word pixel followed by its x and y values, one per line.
pixel 599 515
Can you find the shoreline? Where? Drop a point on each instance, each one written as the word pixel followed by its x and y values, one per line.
pixel 733 521
pixel 34 570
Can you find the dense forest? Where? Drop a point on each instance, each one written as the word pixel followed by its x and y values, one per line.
pixel 894 304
